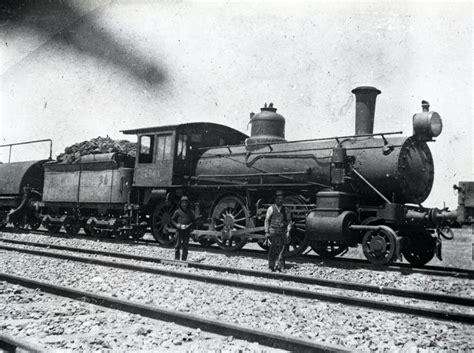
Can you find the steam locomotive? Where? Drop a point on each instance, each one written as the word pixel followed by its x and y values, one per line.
pixel 342 191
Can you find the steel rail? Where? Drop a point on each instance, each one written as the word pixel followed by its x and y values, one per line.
pixel 288 291
pixel 11 344
pixel 216 326
pixel 398 267
pixel 437 297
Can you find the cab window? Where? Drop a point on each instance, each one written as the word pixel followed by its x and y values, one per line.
pixel 163 150
pixel 145 154
pixel 182 146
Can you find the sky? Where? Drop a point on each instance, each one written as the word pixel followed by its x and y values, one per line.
pixel 81 69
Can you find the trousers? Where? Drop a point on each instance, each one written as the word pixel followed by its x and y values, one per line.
pixel 276 253
pixel 182 243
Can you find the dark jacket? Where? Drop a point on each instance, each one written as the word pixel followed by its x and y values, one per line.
pixel 181 216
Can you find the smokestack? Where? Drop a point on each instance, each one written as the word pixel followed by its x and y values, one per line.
pixel 365 109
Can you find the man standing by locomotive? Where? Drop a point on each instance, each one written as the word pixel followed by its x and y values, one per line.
pixel 183 219
pixel 277 229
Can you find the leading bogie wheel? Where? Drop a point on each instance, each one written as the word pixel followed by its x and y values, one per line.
pixel 163 231
pixel 229 215
pixel 419 249
pixel 381 246
pixel 206 242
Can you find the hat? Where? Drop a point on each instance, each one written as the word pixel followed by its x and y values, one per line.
pixel 279 193
pixel 184 198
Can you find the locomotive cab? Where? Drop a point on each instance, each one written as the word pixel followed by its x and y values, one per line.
pixel 167 155
pixel 165 166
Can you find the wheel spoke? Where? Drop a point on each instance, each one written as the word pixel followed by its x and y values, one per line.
pixel 238 213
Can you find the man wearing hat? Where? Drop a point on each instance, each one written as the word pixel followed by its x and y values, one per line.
pixel 277 229
pixel 183 219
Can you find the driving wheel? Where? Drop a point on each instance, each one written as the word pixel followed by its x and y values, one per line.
pixel 163 231
pixel 230 214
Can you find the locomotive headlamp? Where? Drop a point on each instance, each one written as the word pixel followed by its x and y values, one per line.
pixel 427 124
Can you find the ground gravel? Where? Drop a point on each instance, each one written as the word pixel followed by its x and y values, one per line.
pixel 62 324
pixel 351 327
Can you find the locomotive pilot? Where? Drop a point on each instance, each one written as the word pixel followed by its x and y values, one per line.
pixel 183 219
pixel 277 230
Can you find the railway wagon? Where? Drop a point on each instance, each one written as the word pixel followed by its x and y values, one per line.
pixel 21 183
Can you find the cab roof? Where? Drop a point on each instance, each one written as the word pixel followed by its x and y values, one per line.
pixel 190 127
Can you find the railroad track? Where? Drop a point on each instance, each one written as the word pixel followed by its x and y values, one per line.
pixel 357 263
pixel 9 343
pixel 263 337
pixel 347 262
pixel 260 286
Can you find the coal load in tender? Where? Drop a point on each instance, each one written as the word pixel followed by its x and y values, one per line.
pixel 97 145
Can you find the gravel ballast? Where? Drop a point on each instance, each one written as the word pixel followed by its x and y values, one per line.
pixel 351 327
pixel 57 323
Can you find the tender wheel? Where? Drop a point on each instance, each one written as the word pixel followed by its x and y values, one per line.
pixel 34 222
pixel 420 249
pixel 19 225
pixel 123 234
pixel 103 233
pixel 228 215
pixel 87 230
pixel 328 249
pixel 53 229
pixel 72 227
pixel 20 222
pixel 163 231
pixel 138 233
pixel 3 219
pixel 381 246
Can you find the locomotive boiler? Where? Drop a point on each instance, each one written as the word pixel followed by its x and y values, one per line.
pixel 342 191
pixel 399 167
